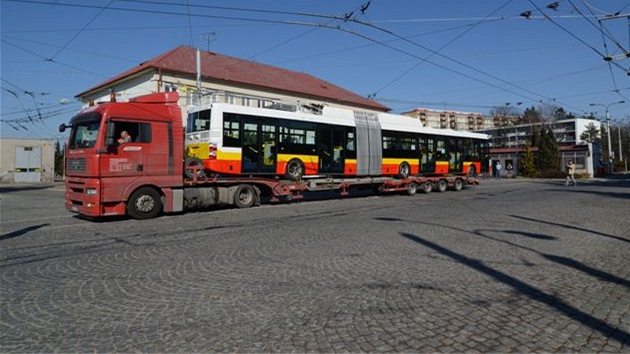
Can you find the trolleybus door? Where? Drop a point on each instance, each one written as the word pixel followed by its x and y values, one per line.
pixel 259 146
pixel 330 147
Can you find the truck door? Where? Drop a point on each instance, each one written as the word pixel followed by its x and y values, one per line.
pixel 128 157
pixel 259 146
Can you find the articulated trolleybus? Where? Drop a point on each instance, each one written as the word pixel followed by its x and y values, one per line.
pixel 262 137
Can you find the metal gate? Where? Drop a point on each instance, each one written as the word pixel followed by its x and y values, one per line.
pixel 28 164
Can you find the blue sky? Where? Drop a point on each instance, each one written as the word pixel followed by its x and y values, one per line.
pixel 450 54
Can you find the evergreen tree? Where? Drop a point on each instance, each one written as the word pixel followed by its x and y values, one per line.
pixel 559 114
pixel 528 163
pixel 59 159
pixel 591 134
pixel 535 137
pixel 531 116
pixel 548 153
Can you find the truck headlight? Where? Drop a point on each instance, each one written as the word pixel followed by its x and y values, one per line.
pixel 90 191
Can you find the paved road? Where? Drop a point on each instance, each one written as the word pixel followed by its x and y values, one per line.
pixel 506 266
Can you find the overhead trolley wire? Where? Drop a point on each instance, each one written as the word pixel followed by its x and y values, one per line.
pixel 345 19
pixel 464 65
pixel 604 31
pixel 52 58
pixel 571 33
pixel 441 48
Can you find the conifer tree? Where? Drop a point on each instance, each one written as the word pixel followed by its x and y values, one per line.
pixel 528 163
pixel 59 161
pixel 535 137
pixel 548 154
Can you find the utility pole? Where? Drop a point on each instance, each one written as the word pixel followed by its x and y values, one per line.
pixel 610 156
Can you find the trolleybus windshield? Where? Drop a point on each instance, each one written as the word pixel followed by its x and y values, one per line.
pixel 198 121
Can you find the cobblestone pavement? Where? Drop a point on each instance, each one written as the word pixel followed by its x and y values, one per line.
pixel 506 266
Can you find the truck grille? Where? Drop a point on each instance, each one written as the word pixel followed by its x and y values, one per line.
pixel 76 165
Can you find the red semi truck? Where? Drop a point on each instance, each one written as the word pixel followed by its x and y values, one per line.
pixel 145 175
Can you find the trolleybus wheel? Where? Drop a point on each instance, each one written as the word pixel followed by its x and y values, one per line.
pixel 412 188
pixel 427 187
pixel 458 184
pixel 441 184
pixel 472 171
pixel 403 170
pixel 145 203
pixel 295 170
pixel 244 196
pixel 189 167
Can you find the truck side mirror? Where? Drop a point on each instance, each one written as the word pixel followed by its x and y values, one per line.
pixel 62 127
pixel 109 135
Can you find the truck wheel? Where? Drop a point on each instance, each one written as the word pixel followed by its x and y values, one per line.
pixel 427 187
pixel 403 170
pixel 441 184
pixel 295 170
pixel 189 167
pixel 412 188
pixel 244 196
pixel 145 203
pixel 458 184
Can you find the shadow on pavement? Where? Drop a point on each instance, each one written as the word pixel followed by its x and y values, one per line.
pixel 571 227
pixel 11 188
pixel 21 232
pixel 527 290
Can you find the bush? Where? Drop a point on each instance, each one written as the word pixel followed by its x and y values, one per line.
pixel 619 166
pixel 582 175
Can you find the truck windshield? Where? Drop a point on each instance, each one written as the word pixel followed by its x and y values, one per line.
pixel 198 121
pixel 84 131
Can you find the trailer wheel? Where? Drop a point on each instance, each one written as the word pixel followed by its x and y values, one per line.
pixel 295 170
pixel 244 196
pixel 412 188
pixel 403 170
pixel 427 187
pixel 189 167
pixel 145 203
pixel 458 184
pixel 442 185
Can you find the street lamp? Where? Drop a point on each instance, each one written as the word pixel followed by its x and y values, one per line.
pixel 608 124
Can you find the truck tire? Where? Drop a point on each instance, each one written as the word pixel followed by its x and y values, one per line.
pixel 442 185
pixel 294 170
pixel 145 203
pixel 244 196
pixel 412 188
pixel 458 184
pixel 427 187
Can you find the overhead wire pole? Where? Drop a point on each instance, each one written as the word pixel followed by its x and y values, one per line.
pixel 607 106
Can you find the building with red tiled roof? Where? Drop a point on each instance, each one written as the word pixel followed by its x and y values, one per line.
pixel 177 69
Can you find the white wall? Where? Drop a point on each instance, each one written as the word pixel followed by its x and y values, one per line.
pixel 7 157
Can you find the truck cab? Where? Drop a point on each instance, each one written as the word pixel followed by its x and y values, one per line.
pixel 106 175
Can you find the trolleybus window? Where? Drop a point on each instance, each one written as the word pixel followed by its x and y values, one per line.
pixel 231 130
